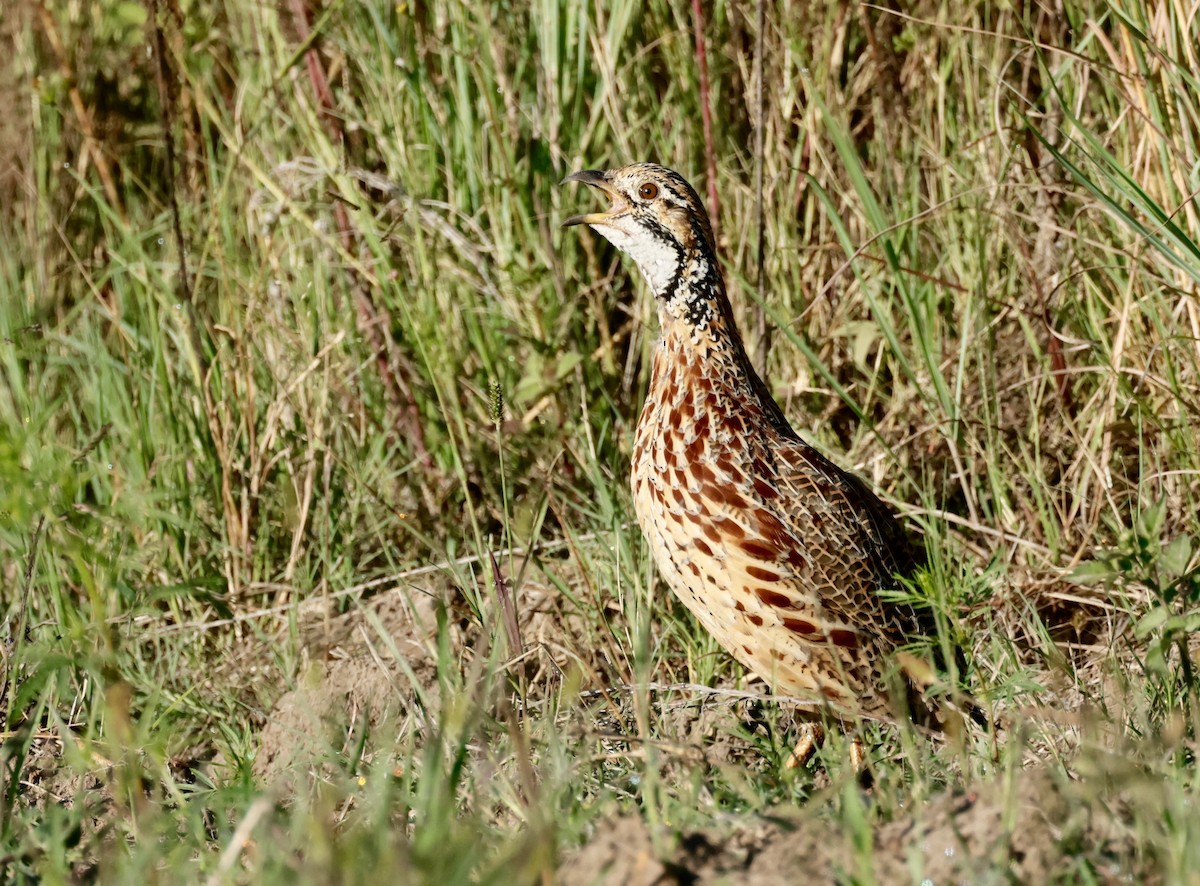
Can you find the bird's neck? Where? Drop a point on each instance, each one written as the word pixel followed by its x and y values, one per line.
pixel 692 304
pixel 698 329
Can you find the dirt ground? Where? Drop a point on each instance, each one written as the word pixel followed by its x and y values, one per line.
pixel 994 833
pixel 1020 828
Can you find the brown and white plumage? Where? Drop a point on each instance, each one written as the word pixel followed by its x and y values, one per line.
pixel 779 553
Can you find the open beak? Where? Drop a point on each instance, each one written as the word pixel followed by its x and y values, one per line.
pixel 594 178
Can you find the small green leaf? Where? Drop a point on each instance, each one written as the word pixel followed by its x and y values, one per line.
pixel 566 363
pixel 1156 662
pixel 1152 620
pixel 1173 625
pixel 1093 572
pixel 1176 556
pixel 1150 521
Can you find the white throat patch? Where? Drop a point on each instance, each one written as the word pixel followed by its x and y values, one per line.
pixel 658 261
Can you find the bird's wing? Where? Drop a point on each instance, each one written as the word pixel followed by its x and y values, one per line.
pixel 842 523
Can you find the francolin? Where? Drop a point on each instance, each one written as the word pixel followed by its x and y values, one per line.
pixel 780 554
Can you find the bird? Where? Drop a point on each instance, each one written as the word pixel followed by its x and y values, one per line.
pixel 779 553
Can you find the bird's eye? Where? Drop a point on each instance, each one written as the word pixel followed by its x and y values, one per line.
pixel 648 191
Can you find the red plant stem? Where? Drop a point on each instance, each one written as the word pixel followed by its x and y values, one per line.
pixel 714 204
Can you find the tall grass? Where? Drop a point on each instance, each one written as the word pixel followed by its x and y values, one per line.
pixel 982 266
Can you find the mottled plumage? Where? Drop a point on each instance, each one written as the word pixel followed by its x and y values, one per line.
pixel 779 553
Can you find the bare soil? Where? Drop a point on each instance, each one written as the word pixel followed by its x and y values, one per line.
pixel 376 668
pixel 1023 830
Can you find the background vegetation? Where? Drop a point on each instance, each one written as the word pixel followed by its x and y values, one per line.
pixel 288 329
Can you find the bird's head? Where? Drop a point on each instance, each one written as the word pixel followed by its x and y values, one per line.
pixel 655 217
